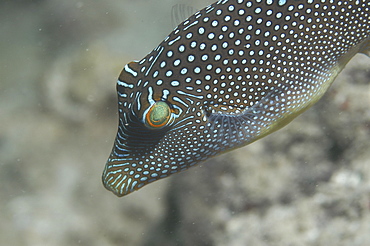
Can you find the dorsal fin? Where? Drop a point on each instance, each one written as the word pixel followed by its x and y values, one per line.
pixel 180 12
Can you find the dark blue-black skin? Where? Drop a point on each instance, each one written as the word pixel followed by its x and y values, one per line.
pixel 230 74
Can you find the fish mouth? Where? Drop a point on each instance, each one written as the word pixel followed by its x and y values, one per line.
pixel 116 180
pixel 122 177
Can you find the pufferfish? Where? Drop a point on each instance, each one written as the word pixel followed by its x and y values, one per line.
pixel 227 76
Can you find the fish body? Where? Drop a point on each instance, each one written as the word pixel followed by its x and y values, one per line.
pixel 228 75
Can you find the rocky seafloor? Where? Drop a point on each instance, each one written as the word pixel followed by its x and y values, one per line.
pixel 307 184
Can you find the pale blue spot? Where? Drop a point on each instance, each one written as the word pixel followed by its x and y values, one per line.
pixel 281 2
pixel 154 175
pixel 175 83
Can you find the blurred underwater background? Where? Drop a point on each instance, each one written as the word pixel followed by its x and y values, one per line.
pixel 307 184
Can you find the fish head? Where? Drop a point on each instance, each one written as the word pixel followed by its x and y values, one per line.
pixel 158 134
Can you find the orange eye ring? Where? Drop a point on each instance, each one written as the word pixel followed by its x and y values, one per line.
pixel 158 115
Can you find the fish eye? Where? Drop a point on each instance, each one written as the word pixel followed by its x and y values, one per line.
pixel 158 115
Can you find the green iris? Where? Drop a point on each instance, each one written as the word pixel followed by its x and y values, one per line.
pixel 158 115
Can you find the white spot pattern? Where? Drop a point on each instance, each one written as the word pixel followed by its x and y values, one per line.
pixel 230 72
